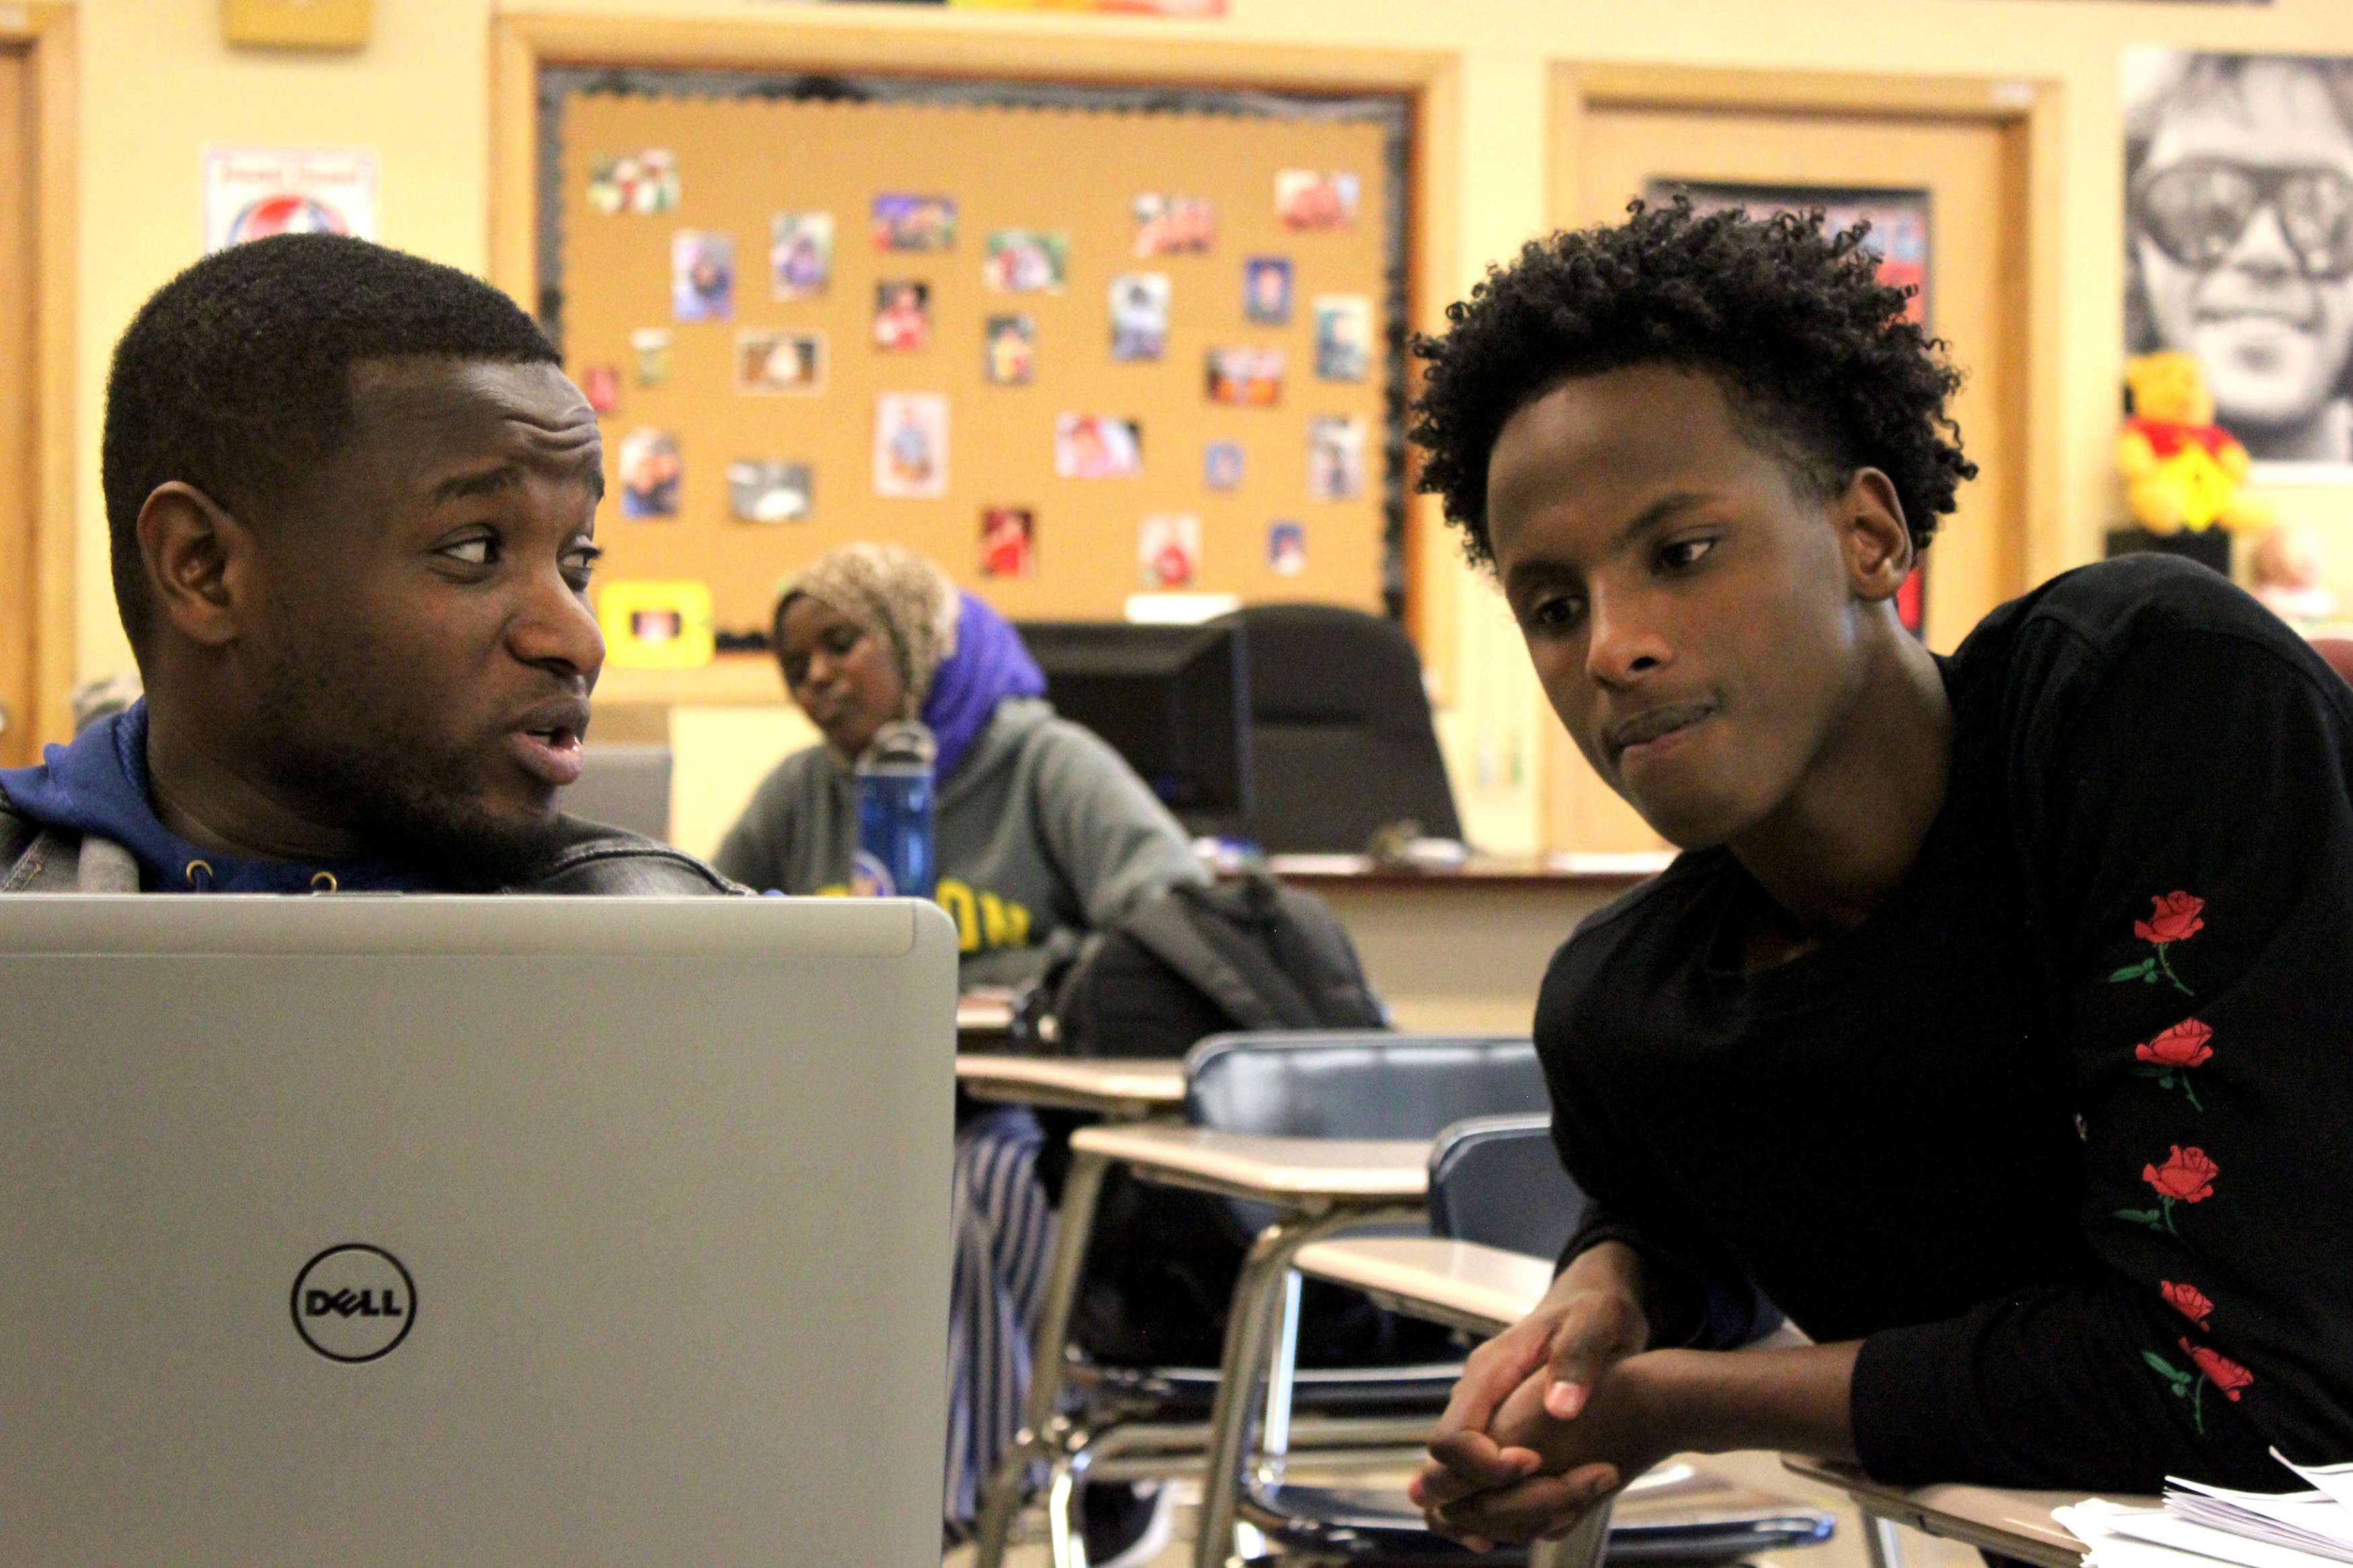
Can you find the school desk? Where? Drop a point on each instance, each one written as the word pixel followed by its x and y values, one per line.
pixel 1117 1089
pixel 2012 1523
pixel 1462 1284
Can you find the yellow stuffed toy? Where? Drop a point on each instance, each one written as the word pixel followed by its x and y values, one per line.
pixel 2180 468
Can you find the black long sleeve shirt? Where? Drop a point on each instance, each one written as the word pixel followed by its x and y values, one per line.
pixel 2064 1130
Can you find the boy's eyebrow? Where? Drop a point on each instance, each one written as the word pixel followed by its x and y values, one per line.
pixel 1659 511
pixel 1663 510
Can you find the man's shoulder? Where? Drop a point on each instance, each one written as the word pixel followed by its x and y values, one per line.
pixel 34 858
pixel 16 829
pixel 16 836
pixel 588 857
pixel 591 858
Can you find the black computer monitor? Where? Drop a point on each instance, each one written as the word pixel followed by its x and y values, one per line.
pixel 1173 701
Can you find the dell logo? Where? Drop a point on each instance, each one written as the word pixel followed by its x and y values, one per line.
pixel 354 1304
pixel 344 1304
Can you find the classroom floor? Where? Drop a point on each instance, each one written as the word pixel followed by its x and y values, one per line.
pixel 1843 1550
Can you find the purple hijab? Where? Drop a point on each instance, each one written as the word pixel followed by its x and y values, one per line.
pixel 989 666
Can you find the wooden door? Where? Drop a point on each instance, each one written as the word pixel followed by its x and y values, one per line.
pixel 1972 171
pixel 19 579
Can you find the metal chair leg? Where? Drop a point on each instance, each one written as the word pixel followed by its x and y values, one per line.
pixel 1274 1429
pixel 1883 1540
pixel 1250 1329
pixel 1042 1428
pixel 1583 1547
pixel 1065 1541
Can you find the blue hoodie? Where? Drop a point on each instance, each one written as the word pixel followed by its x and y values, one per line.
pixel 97 788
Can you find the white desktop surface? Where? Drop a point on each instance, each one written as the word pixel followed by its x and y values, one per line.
pixel 670 1178
pixel 2014 1523
pixel 1478 1286
pixel 1125 1088
pixel 1299 1173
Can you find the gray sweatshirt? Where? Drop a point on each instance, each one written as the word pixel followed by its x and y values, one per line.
pixel 1042 829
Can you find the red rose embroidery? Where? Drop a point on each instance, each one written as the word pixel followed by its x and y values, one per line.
pixel 2189 1301
pixel 2173 917
pixel 2182 1046
pixel 2218 1370
pixel 2221 1370
pixel 2172 1054
pixel 2187 1176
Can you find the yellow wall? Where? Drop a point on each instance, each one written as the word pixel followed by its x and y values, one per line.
pixel 158 84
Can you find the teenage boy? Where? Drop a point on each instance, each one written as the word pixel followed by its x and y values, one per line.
pixel 1992 1022
pixel 351 501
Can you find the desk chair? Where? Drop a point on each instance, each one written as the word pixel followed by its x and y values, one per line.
pixel 1341 738
pixel 1250 1102
pixel 1496 1182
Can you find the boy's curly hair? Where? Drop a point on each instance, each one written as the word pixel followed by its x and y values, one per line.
pixel 1813 353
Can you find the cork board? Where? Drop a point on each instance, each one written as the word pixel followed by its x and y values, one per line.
pixel 735 162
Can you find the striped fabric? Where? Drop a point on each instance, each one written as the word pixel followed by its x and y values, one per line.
pixel 1004 1233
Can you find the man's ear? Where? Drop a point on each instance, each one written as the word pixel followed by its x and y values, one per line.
pixel 1873 533
pixel 199 561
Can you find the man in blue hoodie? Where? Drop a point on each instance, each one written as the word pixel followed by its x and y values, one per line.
pixel 352 503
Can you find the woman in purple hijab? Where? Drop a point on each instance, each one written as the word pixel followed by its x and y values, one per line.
pixel 1041 834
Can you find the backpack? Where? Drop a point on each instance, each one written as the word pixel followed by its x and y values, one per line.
pixel 1198 960
pixel 1190 963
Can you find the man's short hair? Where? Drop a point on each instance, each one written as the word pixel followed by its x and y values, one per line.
pixel 1815 356
pixel 235 378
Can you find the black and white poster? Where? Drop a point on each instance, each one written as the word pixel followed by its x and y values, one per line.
pixel 2239 242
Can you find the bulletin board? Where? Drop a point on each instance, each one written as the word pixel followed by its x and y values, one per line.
pixel 631 161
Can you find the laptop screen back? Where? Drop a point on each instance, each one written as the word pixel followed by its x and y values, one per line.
pixel 356 1231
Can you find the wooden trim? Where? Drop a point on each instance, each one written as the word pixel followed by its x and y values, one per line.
pixel 2042 143
pixel 1576 88
pixel 1435 148
pixel 514 147
pixel 1797 91
pixel 946 44
pixel 48 31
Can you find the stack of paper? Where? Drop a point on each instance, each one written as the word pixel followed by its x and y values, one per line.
pixel 2201 1525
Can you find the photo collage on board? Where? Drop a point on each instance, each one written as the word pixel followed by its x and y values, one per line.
pixel 1251 296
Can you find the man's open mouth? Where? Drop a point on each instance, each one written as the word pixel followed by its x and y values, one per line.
pixel 548 741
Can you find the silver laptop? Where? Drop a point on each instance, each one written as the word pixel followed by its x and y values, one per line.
pixel 473 1231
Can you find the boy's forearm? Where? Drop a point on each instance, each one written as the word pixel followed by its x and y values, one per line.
pixel 1678 1400
pixel 1792 1400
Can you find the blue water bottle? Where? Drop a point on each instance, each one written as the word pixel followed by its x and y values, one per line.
pixel 894 814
